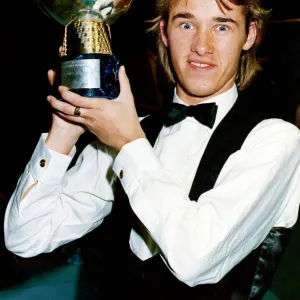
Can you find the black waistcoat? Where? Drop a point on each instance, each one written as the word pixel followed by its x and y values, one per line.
pixel 151 279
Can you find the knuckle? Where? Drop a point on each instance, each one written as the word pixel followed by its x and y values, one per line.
pixel 53 103
pixel 65 110
pixel 64 92
pixel 50 100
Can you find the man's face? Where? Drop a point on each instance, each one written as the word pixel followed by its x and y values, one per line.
pixel 205 46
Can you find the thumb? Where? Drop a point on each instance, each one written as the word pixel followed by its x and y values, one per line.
pixel 125 89
pixel 51 76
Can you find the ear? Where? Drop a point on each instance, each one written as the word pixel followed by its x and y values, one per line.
pixel 251 38
pixel 163 27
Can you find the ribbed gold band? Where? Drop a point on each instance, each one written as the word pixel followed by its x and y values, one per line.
pixel 93 37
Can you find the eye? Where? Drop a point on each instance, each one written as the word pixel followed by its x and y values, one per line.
pixel 187 26
pixel 222 28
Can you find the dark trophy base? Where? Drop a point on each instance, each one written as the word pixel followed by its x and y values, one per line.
pixel 109 87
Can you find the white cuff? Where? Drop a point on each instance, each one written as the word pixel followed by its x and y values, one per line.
pixel 133 160
pixel 47 165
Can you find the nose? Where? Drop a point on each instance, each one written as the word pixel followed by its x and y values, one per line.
pixel 202 43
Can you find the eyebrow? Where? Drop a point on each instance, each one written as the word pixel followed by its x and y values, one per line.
pixel 216 19
pixel 224 20
pixel 183 16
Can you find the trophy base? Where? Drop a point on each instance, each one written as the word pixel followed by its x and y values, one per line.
pixel 95 93
pixel 91 75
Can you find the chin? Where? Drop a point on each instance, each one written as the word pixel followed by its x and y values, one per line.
pixel 201 92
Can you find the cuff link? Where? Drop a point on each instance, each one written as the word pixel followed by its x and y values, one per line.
pixel 42 163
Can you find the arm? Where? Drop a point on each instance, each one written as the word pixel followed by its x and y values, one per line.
pixel 257 189
pixel 52 206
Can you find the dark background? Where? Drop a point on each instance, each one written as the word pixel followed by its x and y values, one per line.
pixel 29 47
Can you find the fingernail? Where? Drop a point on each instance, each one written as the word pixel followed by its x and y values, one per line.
pixel 48 98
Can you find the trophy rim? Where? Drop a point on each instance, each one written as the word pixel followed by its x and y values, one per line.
pixel 110 19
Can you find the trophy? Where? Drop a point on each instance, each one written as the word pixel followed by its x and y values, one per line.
pixel 87 64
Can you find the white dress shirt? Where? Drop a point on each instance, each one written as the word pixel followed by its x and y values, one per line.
pixel 258 188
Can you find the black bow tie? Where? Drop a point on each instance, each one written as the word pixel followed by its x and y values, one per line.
pixel 205 113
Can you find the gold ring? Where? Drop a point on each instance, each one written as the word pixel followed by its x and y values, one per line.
pixel 77 112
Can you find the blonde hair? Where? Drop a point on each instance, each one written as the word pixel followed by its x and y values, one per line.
pixel 248 65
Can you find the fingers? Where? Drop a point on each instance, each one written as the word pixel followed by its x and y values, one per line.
pixel 73 119
pixel 66 109
pixel 75 99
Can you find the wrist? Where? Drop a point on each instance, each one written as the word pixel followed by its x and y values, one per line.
pixel 129 140
pixel 61 141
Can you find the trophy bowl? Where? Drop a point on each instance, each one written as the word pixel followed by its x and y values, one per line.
pixel 87 64
pixel 64 11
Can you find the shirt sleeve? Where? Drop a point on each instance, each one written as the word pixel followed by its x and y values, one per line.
pixel 257 189
pixel 52 205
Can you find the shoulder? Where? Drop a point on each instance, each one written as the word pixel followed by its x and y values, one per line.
pixel 274 132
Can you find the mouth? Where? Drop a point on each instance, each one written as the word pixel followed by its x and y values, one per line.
pixel 201 66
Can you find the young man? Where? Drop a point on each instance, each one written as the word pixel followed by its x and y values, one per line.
pixel 209 199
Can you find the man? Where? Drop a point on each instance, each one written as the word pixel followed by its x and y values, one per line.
pixel 246 184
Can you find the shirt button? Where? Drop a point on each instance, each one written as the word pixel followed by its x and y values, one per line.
pixel 42 163
pixel 121 174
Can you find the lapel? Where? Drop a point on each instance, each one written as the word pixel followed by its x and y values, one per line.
pixel 227 138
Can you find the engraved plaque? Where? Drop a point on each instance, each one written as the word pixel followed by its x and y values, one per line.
pixel 81 74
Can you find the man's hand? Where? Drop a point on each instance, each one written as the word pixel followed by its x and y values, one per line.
pixel 114 122
pixel 63 134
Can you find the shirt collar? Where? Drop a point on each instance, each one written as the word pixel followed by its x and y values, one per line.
pixel 224 101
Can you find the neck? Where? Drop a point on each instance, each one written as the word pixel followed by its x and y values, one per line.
pixel 191 99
